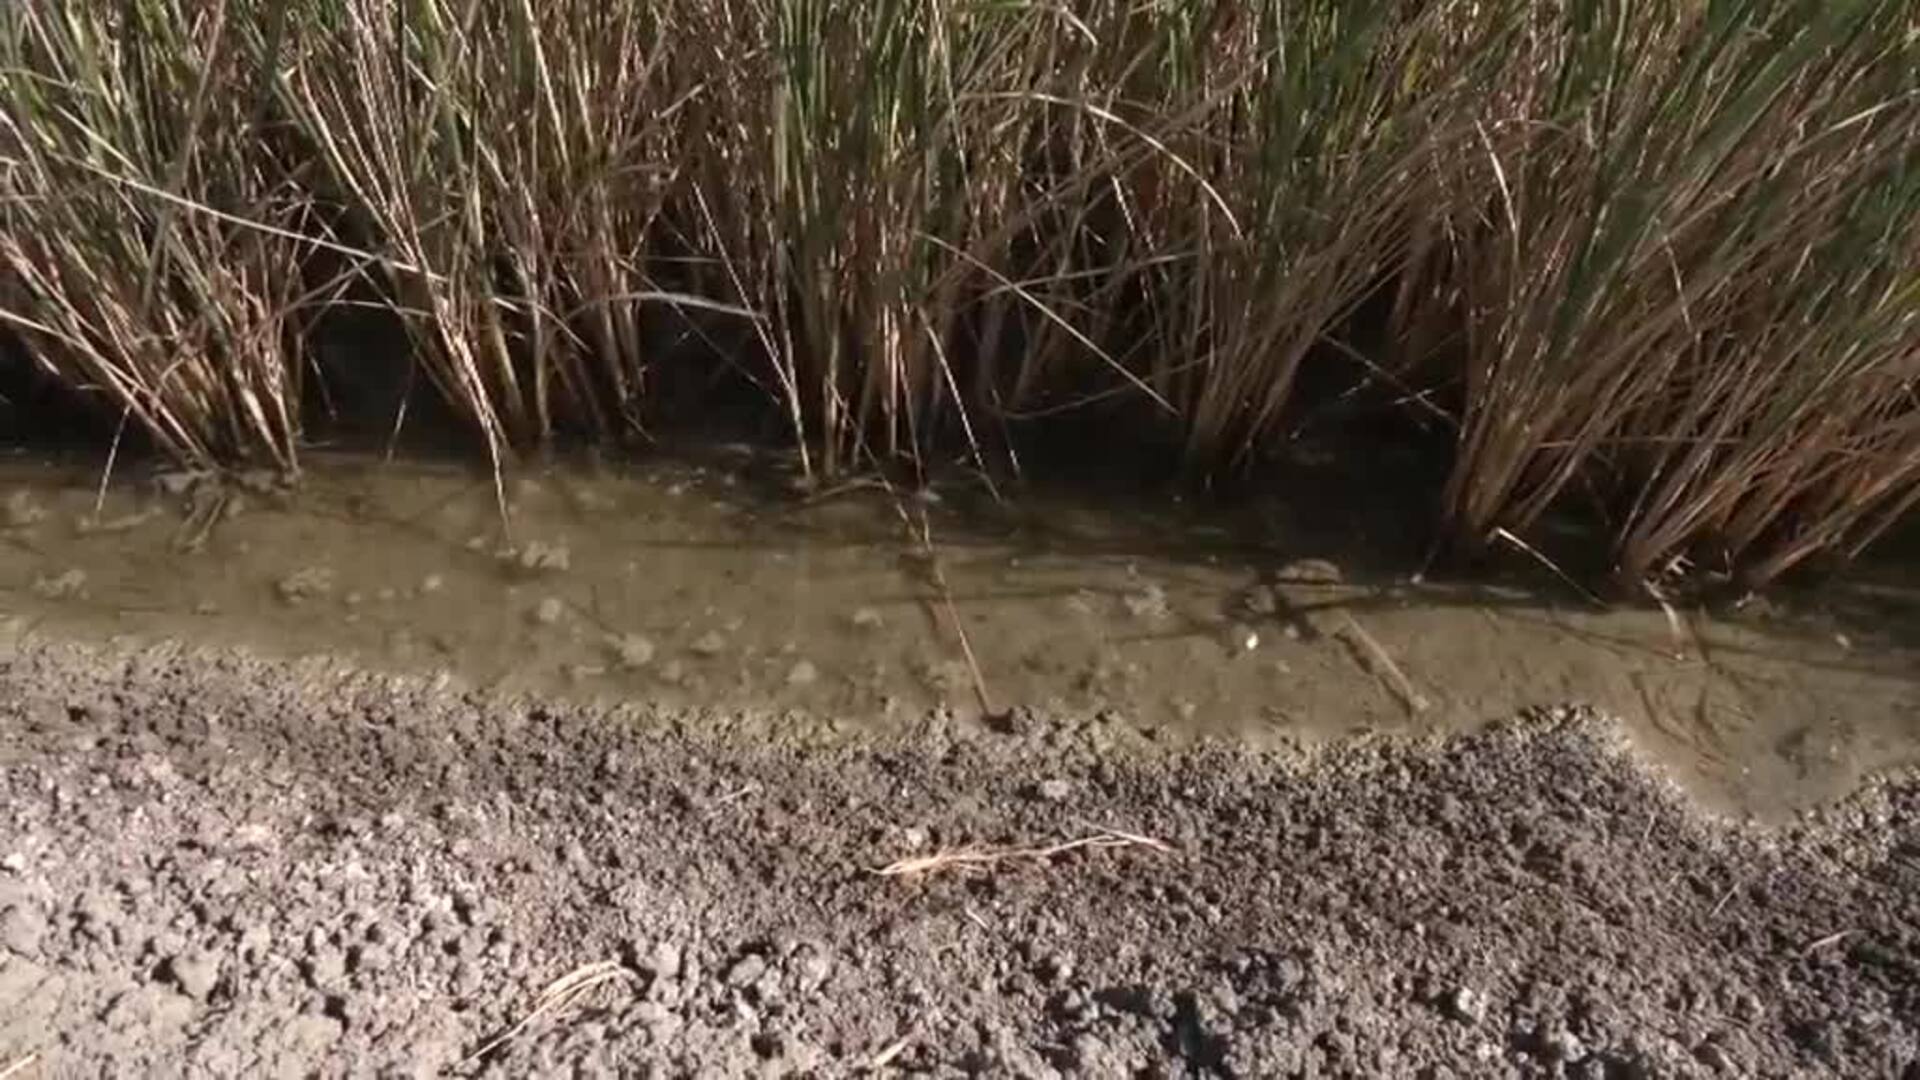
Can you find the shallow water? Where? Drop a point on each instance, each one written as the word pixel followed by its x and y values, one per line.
pixel 859 608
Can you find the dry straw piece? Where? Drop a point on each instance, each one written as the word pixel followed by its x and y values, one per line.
pixel 981 858
pixel 559 995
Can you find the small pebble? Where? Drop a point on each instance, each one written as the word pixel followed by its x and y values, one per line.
pixel 711 643
pixel 1466 1005
pixel 803 674
pixel 549 610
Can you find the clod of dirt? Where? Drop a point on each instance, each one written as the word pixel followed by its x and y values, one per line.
pixel 803 673
pixel 432 583
pixel 710 644
pixel 747 970
pixel 22 927
pixel 305 584
pixel 633 651
pixel 548 611
pixel 195 973
pixel 867 619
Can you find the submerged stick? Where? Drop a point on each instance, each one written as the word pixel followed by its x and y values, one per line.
pixel 1382 664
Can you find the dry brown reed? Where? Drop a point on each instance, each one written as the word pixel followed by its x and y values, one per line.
pixel 1659 259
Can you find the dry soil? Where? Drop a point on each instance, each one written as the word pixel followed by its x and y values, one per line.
pixel 223 866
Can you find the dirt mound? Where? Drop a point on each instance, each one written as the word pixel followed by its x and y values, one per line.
pixel 223 867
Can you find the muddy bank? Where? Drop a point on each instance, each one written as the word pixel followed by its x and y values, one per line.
pixel 692 586
pixel 217 866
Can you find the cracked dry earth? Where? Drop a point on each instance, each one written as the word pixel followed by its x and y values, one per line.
pixel 219 866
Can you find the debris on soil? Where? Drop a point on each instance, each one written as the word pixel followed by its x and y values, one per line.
pixel 1054 789
pixel 1312 572
pixel 1148 603
pixel 710 644
pixel 803 673
pixel 550 610
pixel 978 858
pixel 177 482
pixel 1241 639
pixel 633 651
pixel 21 511
pixel 539 556
pixel 1259 601
pixel 305 584
pixel 68 585
pixel 867 619
pixel 943 677
pixel 89 525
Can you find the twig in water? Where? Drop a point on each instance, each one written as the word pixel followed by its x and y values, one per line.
pixel 1528 549
pixel 939 578
pixel 1683 635
pixel 558 995
pixel 1383 664
pixel 980 857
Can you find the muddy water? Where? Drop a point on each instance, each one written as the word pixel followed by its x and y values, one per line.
pixel 860 608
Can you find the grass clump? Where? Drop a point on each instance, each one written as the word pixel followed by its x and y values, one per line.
pixel 151 246
pixel 1657 260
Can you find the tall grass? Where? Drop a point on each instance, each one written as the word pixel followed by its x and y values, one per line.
pixel 1658 259
pixel 1687 251
pixel 149 244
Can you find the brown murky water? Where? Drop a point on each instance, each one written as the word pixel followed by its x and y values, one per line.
pixel 677 583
